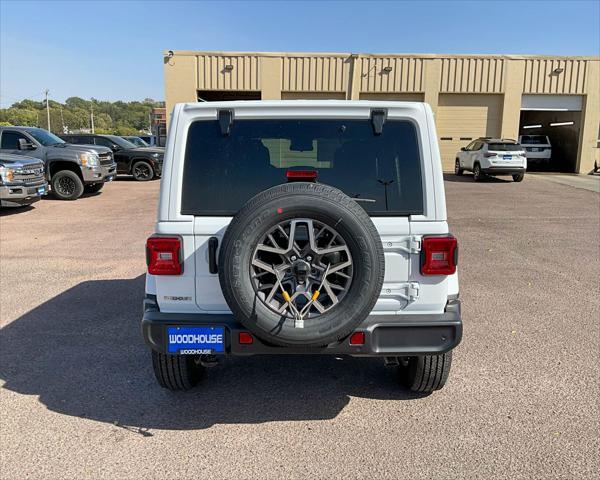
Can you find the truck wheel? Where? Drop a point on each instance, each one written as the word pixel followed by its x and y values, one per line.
pixel 176 372
pixel 66 185
pixel 425 373
pixel 457 170
pixel 518 177
pixel 142 171
pixel 301 264
pixel 93 188
pixel 478 175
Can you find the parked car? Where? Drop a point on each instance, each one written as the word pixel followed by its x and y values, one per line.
pixel 492 156
pixel 144 163
pixel 537 148
pixel 137 141
pixel 302 228
pixel 22 180
pixel 149 139
pixel 70 170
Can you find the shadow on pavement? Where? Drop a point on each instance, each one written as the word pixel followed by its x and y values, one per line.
pixel 82 354
pixel 6 211
pixel 468 178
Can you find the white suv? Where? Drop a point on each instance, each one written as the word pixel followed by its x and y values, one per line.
pixel 302 227
pixel 492 156
pixel 537 148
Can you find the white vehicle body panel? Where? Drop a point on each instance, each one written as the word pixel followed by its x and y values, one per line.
pixel 404 289
pixel 537 151
pixel 467 159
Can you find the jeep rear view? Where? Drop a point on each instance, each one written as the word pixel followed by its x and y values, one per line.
pixel 302 227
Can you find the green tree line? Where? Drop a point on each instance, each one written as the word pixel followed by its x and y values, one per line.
pixel 118 118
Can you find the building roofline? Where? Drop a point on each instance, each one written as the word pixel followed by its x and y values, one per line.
pixel 378 55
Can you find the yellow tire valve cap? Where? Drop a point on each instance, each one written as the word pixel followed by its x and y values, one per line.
pixel 286 296
pixel 315 295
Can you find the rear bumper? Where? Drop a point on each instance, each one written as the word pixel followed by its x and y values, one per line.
pixel 397 335
pixel 545 155
pixel 508 170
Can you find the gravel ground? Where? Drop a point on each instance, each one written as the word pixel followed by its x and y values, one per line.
pixel 78 398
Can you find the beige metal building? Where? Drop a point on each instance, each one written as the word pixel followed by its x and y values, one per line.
pixel 471 95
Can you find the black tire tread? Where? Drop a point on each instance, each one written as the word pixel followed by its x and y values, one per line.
pixel 430 374
pixel 139 160
pixel 175 372
pixel 75 177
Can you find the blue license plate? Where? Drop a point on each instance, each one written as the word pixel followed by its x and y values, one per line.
pixel 41 190
pixel 506 157
pixel 195 340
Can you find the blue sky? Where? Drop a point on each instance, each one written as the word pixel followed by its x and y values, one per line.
pixel 113 50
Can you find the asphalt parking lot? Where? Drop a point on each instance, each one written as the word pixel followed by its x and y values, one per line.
pixel 78 398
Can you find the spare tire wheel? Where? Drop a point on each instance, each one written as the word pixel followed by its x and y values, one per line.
pixel 301 264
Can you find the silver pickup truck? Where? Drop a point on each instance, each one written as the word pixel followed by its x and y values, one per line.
pixel 22 180
pixel 70 170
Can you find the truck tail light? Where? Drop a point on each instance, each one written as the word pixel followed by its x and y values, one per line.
pixel 357 338
pixel 489 154
pixel 164 256
pixel 439 255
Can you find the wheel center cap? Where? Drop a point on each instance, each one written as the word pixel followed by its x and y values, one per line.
pixel 301 269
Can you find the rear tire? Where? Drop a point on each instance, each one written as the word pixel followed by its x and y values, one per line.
pixel 66 185
pixel 176 372
pixel 94 188
pixel 518 177
pixel 426 373
pixel 478 175
pixel 142 171
pixel 457 170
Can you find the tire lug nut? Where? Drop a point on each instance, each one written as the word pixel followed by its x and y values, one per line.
pixel 309 258
pixel 294 258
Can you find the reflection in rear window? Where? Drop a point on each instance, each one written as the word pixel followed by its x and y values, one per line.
pixel 504 147
pixel 534 139
pixel 383 172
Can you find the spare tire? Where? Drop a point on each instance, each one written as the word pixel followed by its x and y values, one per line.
pixel 301 264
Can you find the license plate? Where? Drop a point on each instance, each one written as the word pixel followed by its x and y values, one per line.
pixel 535 149
pixel 195 340
pixel 41 190
pixel 506 157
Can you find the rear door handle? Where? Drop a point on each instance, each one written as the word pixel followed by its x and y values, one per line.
pixel 213 244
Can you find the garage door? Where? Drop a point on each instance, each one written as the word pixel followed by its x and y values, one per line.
pixel 462 118
pixel 401 97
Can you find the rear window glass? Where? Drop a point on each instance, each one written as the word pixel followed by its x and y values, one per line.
pixel 534 139
pixel 382 172
pixel 504 147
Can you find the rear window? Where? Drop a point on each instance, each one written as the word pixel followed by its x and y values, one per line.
pixel 534 139
pixel 504 147
pixel 382 172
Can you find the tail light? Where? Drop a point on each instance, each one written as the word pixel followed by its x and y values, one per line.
pixel 357 338
pixel 164 256
pixel 245 338
pixel 489 154
pixel 439 255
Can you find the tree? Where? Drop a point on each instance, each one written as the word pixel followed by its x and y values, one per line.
pixel 121 118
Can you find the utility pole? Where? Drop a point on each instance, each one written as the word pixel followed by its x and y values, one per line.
pixel 92 115
pixel 62 120
pixel 48 108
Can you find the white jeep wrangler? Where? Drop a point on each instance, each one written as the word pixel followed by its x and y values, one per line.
pixel 302 227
